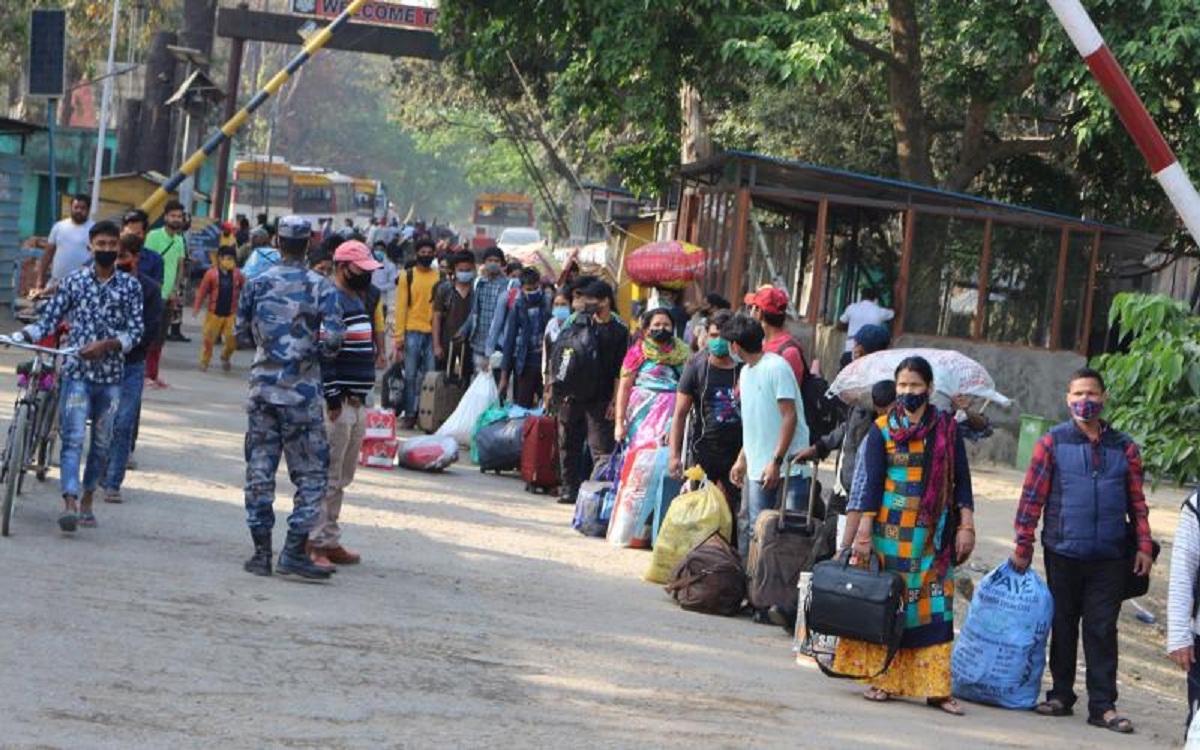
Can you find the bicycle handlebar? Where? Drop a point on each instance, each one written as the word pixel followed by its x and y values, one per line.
pixel 8 341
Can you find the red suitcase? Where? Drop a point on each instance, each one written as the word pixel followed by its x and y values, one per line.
pixel 539 454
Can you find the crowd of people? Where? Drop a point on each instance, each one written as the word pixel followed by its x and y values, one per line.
pixel 718 387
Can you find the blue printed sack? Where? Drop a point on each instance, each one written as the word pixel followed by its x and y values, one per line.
pixel 1000 653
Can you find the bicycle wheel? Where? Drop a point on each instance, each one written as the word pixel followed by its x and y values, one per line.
pixel 14 458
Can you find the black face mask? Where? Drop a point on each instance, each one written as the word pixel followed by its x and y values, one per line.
pixel 425 261
pixel 662 335
pixel 358 281
pixel 105 258
pixel 591 309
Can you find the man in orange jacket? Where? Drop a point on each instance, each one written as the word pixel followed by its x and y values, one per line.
pixel 220 288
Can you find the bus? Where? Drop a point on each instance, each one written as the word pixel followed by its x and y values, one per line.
pixel 495 212
pixel 370 196
pixel 260 186
pixel 319 193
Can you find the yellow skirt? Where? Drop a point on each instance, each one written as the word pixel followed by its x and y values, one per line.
pixel 915 672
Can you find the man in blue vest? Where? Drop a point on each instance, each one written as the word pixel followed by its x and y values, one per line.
pixel 1086 478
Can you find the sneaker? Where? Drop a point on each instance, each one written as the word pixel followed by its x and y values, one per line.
pixel 112 496
pixel 131 464
pixel 226 365
pixel 408 423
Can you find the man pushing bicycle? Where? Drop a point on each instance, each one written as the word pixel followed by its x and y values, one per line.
pixel 104 311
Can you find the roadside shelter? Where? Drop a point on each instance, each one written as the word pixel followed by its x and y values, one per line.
pixel 1014 287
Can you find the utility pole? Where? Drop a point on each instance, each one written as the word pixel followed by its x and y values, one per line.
pixel 233 77
pixel 105 102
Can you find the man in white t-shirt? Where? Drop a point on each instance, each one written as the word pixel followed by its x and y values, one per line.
pixel 865 312
pixel 773 415
pixel 68 243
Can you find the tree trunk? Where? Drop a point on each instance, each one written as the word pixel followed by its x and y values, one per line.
pixel 904 93
pixel 695 140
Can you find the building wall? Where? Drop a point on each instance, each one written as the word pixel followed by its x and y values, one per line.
pixel 1034 379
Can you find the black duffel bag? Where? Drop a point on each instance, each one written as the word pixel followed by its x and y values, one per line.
pixel 856 603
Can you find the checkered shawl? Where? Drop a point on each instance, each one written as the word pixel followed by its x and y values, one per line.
pixel 908 543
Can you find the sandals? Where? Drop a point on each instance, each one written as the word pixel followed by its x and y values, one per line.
pixel 68 521
pixel 948 705
pixel 87 519
pixel 876 695
pixel 1053 707
pixel 1117 723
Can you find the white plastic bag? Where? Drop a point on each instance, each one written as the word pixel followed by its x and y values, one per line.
pixel 479 396
pixel 953 373
pixel 428 452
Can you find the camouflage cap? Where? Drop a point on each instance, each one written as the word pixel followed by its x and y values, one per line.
pixel 294 228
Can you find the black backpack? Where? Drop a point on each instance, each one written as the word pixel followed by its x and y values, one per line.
pixel 575 361
pixel 821 413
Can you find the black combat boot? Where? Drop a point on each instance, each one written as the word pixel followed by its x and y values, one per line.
pixel 294 560
pixel 260 563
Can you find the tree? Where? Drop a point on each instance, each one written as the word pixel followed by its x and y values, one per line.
pixel 982 95
pixel 88 23
pixel 1154 384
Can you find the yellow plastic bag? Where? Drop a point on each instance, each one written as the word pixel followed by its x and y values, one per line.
pixel 691 519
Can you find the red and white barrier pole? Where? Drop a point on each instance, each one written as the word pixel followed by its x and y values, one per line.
pixel 1149 139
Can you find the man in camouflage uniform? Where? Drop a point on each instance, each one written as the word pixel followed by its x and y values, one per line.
pixel 294 319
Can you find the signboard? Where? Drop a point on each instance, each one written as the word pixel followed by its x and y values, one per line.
pixel 376 12
pixel 47 75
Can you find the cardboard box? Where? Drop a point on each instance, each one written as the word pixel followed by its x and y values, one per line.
pixel 381 424
pixel 379 454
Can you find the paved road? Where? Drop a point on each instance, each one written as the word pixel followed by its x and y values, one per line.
pixel 478 619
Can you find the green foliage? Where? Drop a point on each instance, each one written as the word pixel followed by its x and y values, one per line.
pixel 1154 385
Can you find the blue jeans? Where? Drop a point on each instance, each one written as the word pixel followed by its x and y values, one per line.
pixel 122 432
pixel 418 360
pixel 761 499
pixel 83 400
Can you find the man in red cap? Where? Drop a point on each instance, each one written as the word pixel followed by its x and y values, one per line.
pixel 768 305
pixel 347 381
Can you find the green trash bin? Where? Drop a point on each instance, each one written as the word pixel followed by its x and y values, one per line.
pixel 1032 428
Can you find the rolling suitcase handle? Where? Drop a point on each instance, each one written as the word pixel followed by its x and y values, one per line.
pixel 810 527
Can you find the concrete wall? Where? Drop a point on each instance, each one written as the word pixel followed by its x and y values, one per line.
pixel 1035 380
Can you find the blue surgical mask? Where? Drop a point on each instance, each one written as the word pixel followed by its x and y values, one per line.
pixel 718 347
pixel 464 277
pixel 736 357
pixel 562 312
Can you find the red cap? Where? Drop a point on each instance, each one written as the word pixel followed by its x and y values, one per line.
pixel 771 300
pixel 228 227
pixel 353 251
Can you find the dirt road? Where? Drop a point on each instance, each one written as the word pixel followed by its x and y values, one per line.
pixel 478 619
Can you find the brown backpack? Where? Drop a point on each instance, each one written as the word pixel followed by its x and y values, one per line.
pixel 709 579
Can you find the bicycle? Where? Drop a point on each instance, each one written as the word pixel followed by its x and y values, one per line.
pixel 45 433
pixel 32 411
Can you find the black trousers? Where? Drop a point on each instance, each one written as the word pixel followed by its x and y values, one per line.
pixel 577 421
pixel 717 462
pixel 1087 591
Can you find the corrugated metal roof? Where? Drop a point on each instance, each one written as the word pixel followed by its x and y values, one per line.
pixel 771 173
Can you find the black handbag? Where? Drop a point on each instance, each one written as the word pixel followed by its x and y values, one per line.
pixel 1136 585
pixel 856 603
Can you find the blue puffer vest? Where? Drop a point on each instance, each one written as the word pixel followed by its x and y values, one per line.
pixel 1089 499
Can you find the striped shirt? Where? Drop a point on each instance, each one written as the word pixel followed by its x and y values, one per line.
pixel 352 371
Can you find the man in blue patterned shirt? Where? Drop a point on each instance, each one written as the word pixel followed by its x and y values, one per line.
pixel 293 317
pixel 104 311
pixel 488 287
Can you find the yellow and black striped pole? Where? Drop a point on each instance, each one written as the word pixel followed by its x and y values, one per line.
pixel 318 40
